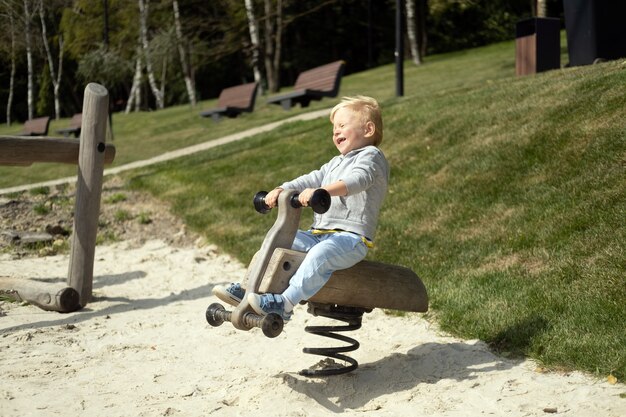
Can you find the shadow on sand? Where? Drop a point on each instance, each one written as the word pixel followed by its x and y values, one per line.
pixel 428 363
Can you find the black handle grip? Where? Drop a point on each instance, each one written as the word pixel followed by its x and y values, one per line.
pixel 320 201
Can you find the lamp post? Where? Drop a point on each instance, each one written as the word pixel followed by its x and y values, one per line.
pixel 399 51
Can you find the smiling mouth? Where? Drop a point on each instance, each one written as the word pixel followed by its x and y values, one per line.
pixel 340 141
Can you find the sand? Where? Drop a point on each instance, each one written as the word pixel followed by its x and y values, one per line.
pixel 144 348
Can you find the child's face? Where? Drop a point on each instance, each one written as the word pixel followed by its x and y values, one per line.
pixel 349 133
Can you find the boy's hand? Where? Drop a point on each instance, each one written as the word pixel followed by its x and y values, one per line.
pixel 271 199
pixel 305 196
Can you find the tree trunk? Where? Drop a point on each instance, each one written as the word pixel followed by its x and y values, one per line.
pixel 29 59
pixel 105 31
pixel 56 79
pixel 542 8
pixel 421 12
pixel 12 77
pixel 143 29
pixel 180 43
pixel 134 98
pixel 163 77
pixel 254 39
pixel 273 35
pixel 269 47
pixel 279 42
pixel 411 29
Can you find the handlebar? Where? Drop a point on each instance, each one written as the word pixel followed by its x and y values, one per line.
pixel 320 201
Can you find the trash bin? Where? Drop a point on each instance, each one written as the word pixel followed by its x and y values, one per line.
pixel 596 30
pixel 537 45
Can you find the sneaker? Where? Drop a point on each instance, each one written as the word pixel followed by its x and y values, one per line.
pixel 233 294
pixel 265 304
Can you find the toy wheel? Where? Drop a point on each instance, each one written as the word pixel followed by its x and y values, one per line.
pixel 272 325
pixel 214 314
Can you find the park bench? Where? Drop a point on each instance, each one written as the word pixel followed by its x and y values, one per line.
pixel 346 296
pixel 74 127
pixel 313 84
pixel 36 127
pixel 233 101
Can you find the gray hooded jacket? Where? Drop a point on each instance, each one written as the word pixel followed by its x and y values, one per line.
pixel 365 172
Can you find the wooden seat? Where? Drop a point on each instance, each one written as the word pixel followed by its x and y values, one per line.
pixel 233 101
pixel 36 127
pixel 367 285
pixel 75 125
pixel 313 84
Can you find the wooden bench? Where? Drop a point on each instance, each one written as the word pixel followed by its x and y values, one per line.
pixel 74 128
pixel 313 84
pixel 36 127
pixel 233 101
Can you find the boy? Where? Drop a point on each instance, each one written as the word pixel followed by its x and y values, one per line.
pixel 338 239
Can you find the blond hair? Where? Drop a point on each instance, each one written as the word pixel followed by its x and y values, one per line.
pixel 368 110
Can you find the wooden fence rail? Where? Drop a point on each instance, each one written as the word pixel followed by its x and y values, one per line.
pixel 24 151
pixel 91 153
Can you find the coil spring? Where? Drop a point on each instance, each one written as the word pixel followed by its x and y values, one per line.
pixel 353 317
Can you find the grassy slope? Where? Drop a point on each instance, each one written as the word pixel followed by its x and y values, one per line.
pixel 507 197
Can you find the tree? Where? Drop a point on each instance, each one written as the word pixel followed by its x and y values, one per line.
pixel 55 78
pixel 254 39
pixel 411 28
pixel 143 36
pixel 454 24
pixel 542 8
pixel 134 98
pixel 273 42
pixel 180 44
pixel 276 22
pixel 29 58
pixel 8 14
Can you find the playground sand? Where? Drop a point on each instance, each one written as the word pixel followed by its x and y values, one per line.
pixel 143 348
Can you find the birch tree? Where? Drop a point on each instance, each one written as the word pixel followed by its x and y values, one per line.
pixel 411 29
pixel 134 98
pixel 9 15
pixel 180 44
pixel 143 34
pixel 162 50
pixel 29 60
pixel 542 8
pixel 55 77
pixel 416 28
pixel 253 27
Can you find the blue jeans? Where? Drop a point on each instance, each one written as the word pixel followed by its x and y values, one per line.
pixel 326 253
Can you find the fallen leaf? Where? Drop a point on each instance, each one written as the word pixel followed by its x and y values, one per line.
pixel 612 380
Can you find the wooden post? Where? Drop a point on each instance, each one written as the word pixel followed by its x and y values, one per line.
pixel 88 190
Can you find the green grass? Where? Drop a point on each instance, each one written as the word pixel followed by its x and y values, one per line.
pixel 506 196
pixel 116 198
